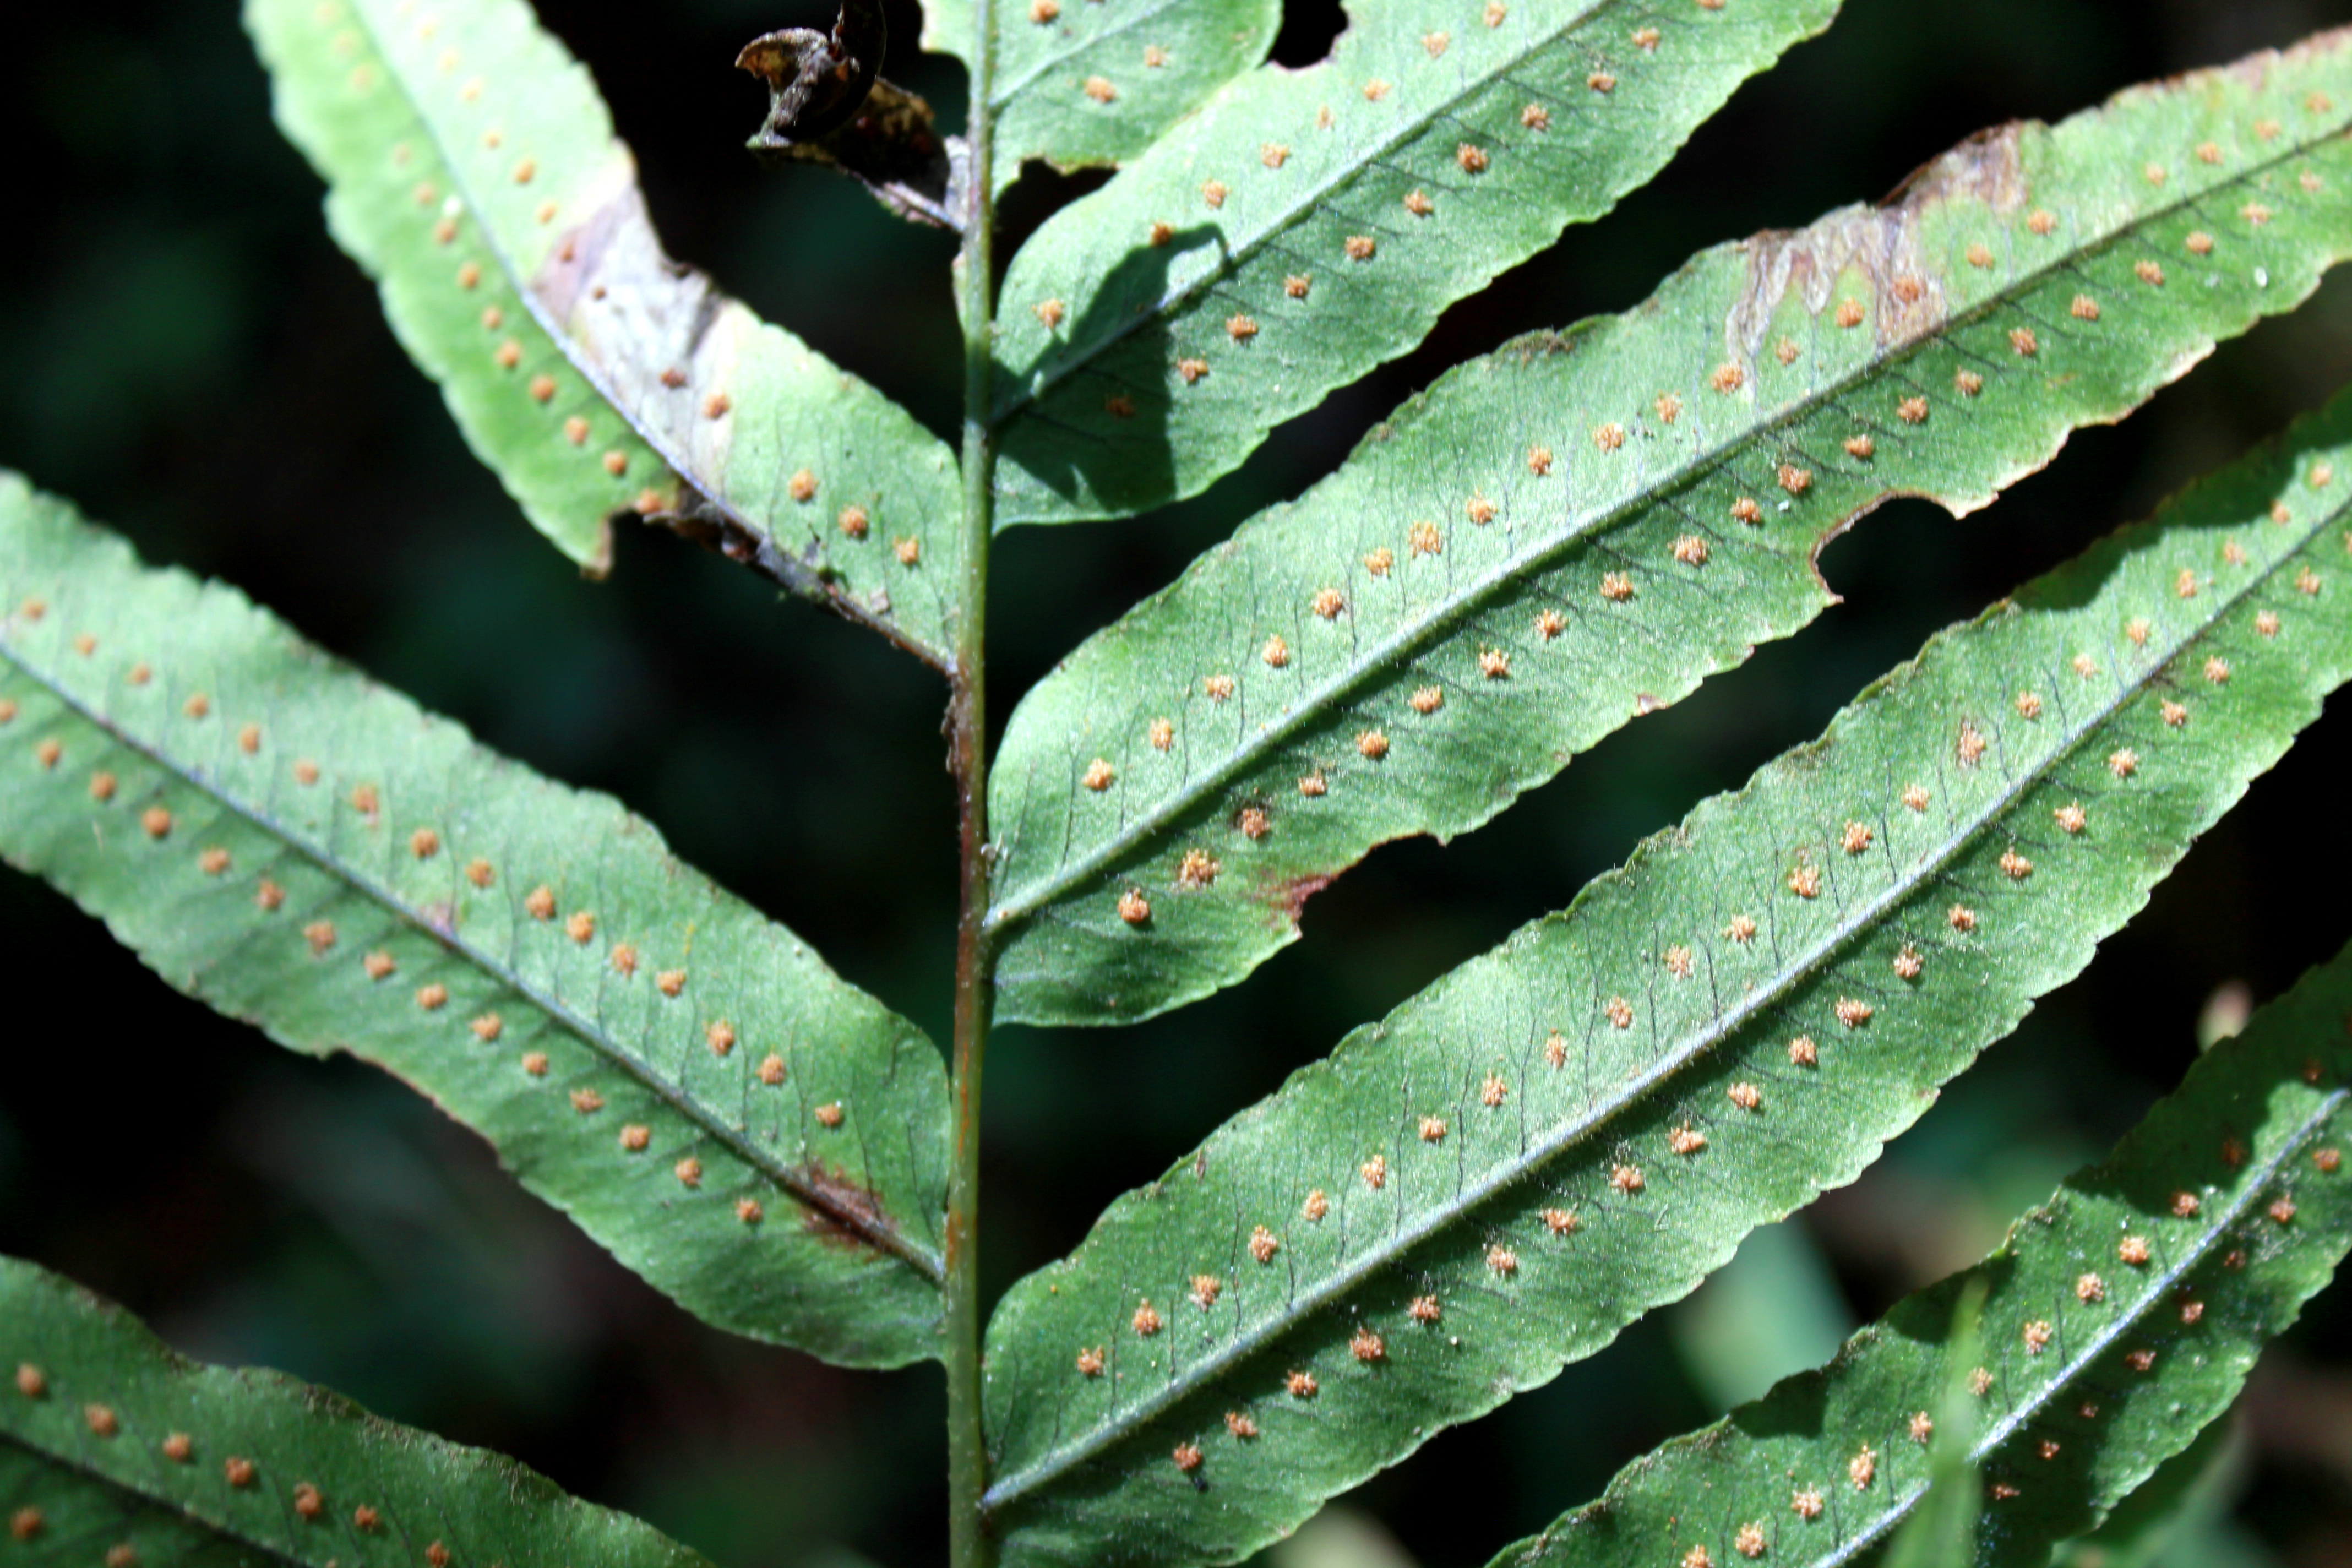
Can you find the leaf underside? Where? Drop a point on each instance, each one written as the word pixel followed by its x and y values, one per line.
pixel 295 846
pixel 1576 1128
pixel 2117 1327
pixel 1309 224
pixel 1579 529
pixel 473 170
pixel 1087 84
pixel 114 1451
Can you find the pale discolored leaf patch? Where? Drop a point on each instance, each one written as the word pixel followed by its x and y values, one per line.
pixel 473 171
pixel 1579 529
pixel 1576 1128
pixel 1339 209
pixel 292 843
pixel 115 1451
pixel 2116 1326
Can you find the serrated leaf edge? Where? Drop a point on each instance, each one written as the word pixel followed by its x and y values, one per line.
pixel 882 1236
pixel 1204 1371
pixel 1317 704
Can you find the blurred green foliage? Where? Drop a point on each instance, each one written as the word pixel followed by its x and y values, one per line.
pixel 185 352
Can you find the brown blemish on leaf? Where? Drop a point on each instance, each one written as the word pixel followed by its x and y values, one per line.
pixel 1878 246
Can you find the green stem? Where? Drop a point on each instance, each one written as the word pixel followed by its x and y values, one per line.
pixel 968 1542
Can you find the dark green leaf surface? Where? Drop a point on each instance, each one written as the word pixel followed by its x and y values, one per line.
pixel 2117 1327
pixel 1308 224
pixel 113 1450
pixel 2184 1503
pixel 1476 622
pixel 1088 82
pixel 292 845
pixel 473 171
pixel 1577 1127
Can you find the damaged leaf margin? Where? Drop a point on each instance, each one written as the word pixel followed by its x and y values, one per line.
pixel 473 169
pixel 1305 226
pixel 1576 1128
pixel 1083 85
pixel 1580 528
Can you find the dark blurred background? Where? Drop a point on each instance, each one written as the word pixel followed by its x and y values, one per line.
pixel 185 352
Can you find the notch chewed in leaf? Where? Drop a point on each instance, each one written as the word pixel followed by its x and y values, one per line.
pixel 1087 84
pixel 1580 528
pixel 1578 1126
pixel 1340 209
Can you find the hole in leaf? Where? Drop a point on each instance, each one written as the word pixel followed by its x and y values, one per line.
pixel 1309 27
